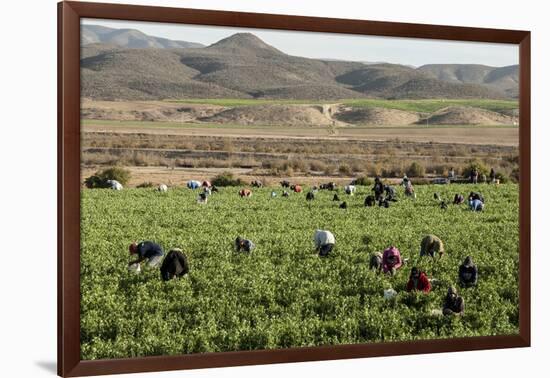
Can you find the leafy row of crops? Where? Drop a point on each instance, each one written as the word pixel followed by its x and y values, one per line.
pixel 283 294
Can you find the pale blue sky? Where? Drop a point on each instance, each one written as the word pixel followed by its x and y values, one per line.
pixel 409 51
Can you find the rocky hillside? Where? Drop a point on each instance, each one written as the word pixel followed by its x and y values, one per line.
pixel 244 66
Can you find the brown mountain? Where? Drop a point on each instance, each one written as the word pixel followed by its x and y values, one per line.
pixel 144 74
pixel 503 79
pixel 244 66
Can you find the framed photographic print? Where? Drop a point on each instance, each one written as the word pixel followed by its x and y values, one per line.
pixel 239 188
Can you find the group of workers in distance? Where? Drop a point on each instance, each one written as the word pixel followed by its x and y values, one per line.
pixel 383 194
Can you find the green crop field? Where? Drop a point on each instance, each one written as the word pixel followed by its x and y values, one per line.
pixel 282 294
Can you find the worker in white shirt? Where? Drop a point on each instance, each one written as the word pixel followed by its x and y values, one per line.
pixel 324 242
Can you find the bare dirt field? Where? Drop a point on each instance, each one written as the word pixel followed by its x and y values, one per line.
pixel 505 136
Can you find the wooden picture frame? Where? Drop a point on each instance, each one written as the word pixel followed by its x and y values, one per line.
pixel 69 15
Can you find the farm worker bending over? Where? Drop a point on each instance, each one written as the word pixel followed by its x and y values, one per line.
pixel 175 265
pixel 476 195
pixel 324 242
pixel 476 205
pixel 375 262
pixel 391 194
pixel 454 304
pixel 370 201
pixel 418 281
pixel 244 245
pixel 405 181
pixel 146 250
pixel 431 245
pixel 114 184
pixel 391 260
pixel 467 273
pixel 350 189
pixel 193 184
pixel 378 188
pixel 409 190
pixel 245 193
pixel 202 199
pixel 459 199
pixel 383 202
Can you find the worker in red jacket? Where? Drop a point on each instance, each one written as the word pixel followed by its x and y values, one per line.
pixel 245 193
pixel 418 281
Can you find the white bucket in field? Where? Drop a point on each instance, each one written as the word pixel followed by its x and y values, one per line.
pixel 136 268
pixel 389 294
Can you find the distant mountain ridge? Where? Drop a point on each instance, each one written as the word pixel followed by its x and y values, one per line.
pixel 502 78
pixel 114 67
pixel 128 38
